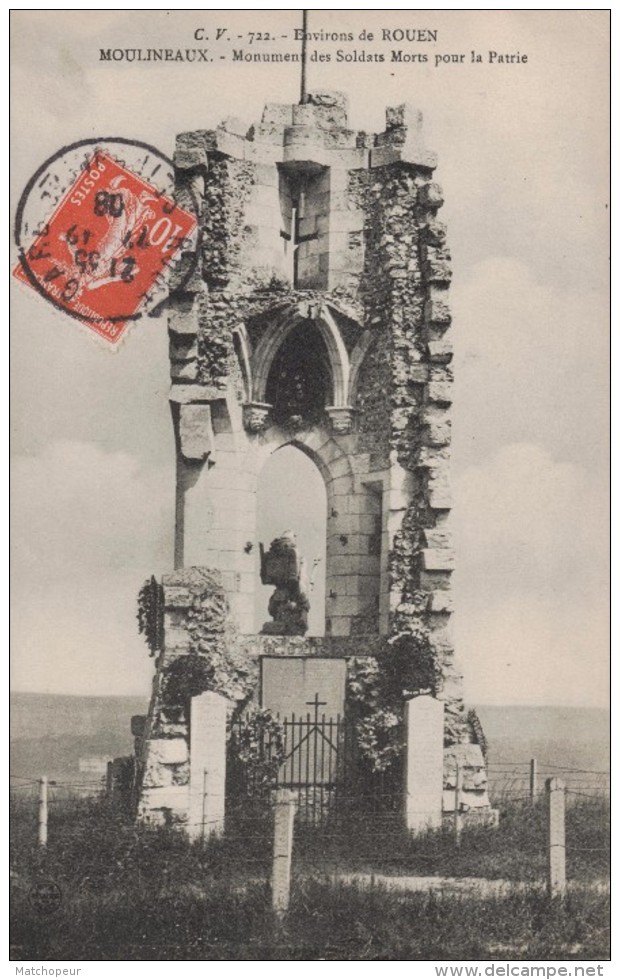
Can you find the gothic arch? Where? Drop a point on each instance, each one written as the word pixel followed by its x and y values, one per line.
pixel 318 445
pixel 242 349
pixel 361 349
pixel 275 335
pixel 325 458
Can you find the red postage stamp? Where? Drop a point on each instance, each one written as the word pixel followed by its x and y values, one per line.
pixel 102 253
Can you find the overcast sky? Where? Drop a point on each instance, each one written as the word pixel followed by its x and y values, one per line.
pixel 523 163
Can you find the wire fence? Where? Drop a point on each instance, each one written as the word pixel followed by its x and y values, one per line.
pixel 508 781
pixel 68 788
pixel 353 836
pixel 349 834
pixel 519 781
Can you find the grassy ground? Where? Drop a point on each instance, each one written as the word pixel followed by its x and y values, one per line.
pixel 516 850
pixel 127 893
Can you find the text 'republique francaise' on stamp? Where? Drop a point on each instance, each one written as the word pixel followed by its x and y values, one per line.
pixel 98 232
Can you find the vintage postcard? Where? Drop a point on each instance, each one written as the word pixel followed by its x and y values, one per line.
pixel 310 480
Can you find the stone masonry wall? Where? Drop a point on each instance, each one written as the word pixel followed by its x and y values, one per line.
pixel 404 290
pixel 199 651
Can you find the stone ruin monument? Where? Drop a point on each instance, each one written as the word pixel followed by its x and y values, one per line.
pixel 313 313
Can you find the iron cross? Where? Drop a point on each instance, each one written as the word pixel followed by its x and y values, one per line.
pixel 316 704
pixel 296 239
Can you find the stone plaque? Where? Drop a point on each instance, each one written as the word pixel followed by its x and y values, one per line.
pixel 303 686
pixel 308 694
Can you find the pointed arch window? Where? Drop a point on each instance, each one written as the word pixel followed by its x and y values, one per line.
pixel 299 386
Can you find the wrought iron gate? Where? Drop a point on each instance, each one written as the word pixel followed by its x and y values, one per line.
pixel 315 763
pixel 317 758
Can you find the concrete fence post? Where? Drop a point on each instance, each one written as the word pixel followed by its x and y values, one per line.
pixel 533 779
pixel 556 870
pixel 284 816
pixel 42 822
pixel 424 763
pixel 207 760
pixel 458 816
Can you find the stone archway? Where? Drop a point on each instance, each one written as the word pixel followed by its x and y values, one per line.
pixel 291 495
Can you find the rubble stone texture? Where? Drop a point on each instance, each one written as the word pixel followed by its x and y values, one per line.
pixel 312 231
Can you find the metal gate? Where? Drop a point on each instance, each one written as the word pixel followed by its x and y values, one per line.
pixel 315 764
pixel 317 758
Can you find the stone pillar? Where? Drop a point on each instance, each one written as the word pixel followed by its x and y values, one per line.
pixel 217 517
pixel 424 763
pixel 207 765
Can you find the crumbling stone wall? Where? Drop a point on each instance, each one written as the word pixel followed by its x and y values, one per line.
pixel 199 652
pixel 225 235
pixel 373 402
pixel 404 290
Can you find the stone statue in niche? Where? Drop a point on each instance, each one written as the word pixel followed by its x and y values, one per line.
pixel 288 606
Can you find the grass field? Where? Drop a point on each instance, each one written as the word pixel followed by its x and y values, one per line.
pixel 326 921
pixel 130 893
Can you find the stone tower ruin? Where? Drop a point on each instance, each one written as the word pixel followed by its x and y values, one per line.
pixel 313 313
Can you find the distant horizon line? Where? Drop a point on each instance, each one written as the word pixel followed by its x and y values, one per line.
pixel 481 704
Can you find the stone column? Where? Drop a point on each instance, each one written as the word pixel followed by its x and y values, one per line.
pixel 207 765
pixel 424 763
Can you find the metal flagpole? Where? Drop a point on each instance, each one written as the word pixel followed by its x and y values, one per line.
pixel 304 56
